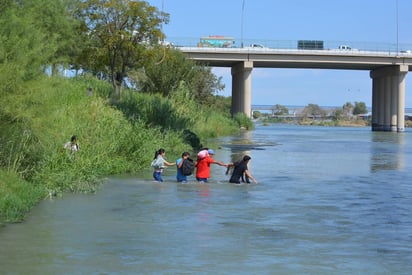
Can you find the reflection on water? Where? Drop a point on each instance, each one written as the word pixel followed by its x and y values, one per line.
pixel 329 201
pixel 243 144
pixel 240 146
pixel 387 151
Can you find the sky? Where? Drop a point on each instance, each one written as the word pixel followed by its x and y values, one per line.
pixel 357 23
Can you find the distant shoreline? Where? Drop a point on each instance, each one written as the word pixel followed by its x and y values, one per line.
pixel 317 122
pixel 263 107
pixel 323 122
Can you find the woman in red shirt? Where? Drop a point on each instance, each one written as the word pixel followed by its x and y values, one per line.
pixel 203 166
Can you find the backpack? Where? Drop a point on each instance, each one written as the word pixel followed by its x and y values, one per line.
pixel 188 167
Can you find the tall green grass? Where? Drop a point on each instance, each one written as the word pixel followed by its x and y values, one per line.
pixel 38 119
pixel 179 112
pixel 17 196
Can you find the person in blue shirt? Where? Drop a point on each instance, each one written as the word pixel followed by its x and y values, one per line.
pixel 179 162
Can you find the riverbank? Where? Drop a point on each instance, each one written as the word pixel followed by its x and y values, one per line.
pixel 114 137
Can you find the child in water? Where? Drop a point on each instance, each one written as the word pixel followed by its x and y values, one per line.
pixel 159 164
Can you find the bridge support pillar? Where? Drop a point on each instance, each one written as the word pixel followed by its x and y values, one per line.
pixel 388 98
pixel 242 88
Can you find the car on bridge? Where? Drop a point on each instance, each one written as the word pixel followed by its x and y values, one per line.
pixel 346 48
pixel 258 46
pixel 255 46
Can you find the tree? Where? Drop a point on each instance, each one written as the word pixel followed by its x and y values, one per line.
pixel 313 110
pixel 163 71
pixel 205 85
pixel 118 32
pixel 360 108
pixel 56 21
pixel 24 47
pixel 256 114
pixel 165 76
pixel 280 110
pixel 347 109
pixel 337 114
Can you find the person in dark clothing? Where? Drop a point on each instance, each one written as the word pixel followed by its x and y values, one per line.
pixel 240 169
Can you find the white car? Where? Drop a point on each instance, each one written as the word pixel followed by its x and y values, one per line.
pixel 346 48
pixel 257 46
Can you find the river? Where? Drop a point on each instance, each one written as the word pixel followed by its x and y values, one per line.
pixel 329 201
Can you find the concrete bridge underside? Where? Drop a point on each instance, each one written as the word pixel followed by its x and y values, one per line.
pixel 242 88
pixel 388 94
pixel 388 98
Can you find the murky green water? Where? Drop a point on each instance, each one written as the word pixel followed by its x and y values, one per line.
pixel 329 201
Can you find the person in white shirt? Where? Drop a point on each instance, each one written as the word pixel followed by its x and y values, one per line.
pixel 72 145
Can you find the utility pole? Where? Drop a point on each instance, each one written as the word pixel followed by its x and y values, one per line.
pixel 241 23
pixel 397 28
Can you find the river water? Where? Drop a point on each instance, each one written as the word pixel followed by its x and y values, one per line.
pixel 329 201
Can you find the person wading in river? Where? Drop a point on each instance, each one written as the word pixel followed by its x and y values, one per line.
pixel 159 163
pixel 241 170
pixel 203 166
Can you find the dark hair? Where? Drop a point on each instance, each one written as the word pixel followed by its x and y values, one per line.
pixel 185 154
pixel 246 158
pixel 73 138
pixel 158 152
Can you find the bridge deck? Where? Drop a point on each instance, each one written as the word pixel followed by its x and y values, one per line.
pixel 293 58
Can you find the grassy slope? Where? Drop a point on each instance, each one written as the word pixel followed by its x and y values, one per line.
pixel 39 119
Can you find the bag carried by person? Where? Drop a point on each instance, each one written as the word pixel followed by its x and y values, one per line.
pixel 188 167
pixel 202 154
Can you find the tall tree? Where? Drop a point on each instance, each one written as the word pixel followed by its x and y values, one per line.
pixel 165 70
pixel 55 19
pixel 360 108
pixel 347 109
pixel 23 51
pixel 313 110
pixel 118 32
pixel 280 110
pixel 34 34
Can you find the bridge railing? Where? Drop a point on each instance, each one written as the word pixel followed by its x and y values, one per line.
pixel 292 44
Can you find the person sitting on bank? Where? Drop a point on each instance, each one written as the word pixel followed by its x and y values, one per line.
pixel 240 170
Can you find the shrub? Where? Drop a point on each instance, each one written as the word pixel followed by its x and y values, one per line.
pixel 243 121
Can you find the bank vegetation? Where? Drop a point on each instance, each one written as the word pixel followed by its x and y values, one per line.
pixel 98 70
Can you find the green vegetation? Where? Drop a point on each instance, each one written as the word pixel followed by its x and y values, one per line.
pixel 129 97
pixel 114 139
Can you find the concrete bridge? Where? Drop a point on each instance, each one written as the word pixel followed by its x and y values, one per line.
pixel 387 71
